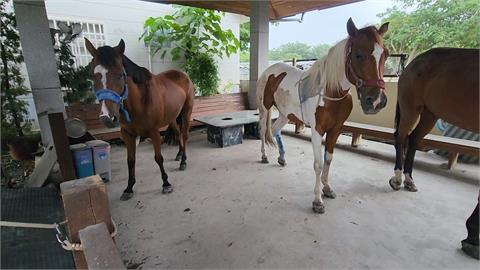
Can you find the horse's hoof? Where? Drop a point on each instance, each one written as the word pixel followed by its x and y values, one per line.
pixel 183 166
pixel 329 193
pixel 470 249
pixel 178 157
pixel 126 196
pixel 410 186
pixel 318 207
pixel 167 189
pixel 282 161
pixel 264 160
pixel 395 184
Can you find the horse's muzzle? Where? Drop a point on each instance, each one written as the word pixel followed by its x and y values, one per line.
pixel 109 122
pixel 372 105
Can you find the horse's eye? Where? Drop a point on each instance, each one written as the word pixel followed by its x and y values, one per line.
pixel 359 56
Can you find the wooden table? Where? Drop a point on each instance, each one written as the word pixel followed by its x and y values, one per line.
pixel 228 129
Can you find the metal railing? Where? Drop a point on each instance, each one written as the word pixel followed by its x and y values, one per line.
pixel 393 68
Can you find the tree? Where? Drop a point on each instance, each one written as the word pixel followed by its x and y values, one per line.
pixel 432 23
pixel 245 37
pixel 298 50
pixel 194 34
pixel 14 110
pixel 74 80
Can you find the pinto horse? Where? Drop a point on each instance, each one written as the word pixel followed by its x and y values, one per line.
pixel 142 103
pixel 320 98
pixel 440 83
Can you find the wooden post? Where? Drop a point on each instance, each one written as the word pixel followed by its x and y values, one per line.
pixel 452 159
pixel 294 62
pixel 85 202
pixel 356 139
pixel 62 147
pixel 99 249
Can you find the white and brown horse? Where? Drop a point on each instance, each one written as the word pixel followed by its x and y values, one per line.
pixel 320 98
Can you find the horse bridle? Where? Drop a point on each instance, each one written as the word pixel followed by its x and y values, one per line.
pixel 354 78
pixel 107 94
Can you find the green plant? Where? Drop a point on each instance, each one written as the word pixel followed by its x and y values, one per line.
pixel 14 112
pixel 228 87
pixel 194 33
pixel 245 37
pixel 203 70
pixel 75 81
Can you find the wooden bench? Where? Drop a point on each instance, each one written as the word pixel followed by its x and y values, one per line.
pixel 88 113
pixel 218 104
pixel 453 145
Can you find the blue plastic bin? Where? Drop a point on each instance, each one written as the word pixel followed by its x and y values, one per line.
pixel 82 160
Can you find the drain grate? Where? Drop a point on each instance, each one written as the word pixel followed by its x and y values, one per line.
pixel 32 248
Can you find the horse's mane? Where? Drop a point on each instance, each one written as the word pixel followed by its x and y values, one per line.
pixel 331 67
pixel 140 75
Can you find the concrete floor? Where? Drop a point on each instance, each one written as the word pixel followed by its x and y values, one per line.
pixel 229 211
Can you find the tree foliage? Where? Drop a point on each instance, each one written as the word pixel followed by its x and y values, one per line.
pixel 298 50
pixel 245 37
pixel 74 80
pixel 204 70
pixel 418 25
pixel 190 31
pixel 195 34
pixel 14 112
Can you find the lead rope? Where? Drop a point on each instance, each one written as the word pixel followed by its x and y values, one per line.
pixel 61 238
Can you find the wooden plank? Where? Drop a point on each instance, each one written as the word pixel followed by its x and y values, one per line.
pixel 452 160
pixel 99 249
pixel 62 147
pixel 85 202
pixel 356 139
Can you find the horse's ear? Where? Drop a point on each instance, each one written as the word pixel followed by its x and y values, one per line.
pixel 90 47
pixel 120 47
pixel 351 28
pixel 383 29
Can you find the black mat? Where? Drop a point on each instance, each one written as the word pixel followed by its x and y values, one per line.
pixel 32 248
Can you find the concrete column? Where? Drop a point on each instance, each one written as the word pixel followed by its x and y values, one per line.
pixel 32 24
pixel 258 46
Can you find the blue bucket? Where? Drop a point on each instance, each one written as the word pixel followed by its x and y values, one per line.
pixel 82 160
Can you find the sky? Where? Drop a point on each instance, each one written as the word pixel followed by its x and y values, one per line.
pixel 328 26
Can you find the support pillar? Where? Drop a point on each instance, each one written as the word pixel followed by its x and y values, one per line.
pixel 32 24
pixel 258 46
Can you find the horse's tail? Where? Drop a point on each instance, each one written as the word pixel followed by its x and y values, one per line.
pixel 397 119
pixel 268 132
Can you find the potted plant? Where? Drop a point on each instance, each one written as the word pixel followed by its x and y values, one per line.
pixel 15 125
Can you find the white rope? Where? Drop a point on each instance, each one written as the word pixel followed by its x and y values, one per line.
pixel 66 244
pixel 30 225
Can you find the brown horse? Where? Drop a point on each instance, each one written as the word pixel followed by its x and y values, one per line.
pixel 440 83
pixel 142 103
pixel 320 96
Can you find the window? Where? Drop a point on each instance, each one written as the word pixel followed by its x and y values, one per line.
pixel 93 31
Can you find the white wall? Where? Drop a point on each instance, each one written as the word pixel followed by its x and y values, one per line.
pixel 125 18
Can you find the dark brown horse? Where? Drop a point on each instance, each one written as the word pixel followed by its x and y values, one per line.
pixel 440 83
pixel 142 103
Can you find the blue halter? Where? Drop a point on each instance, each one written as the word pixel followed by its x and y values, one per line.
pixel 107 94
